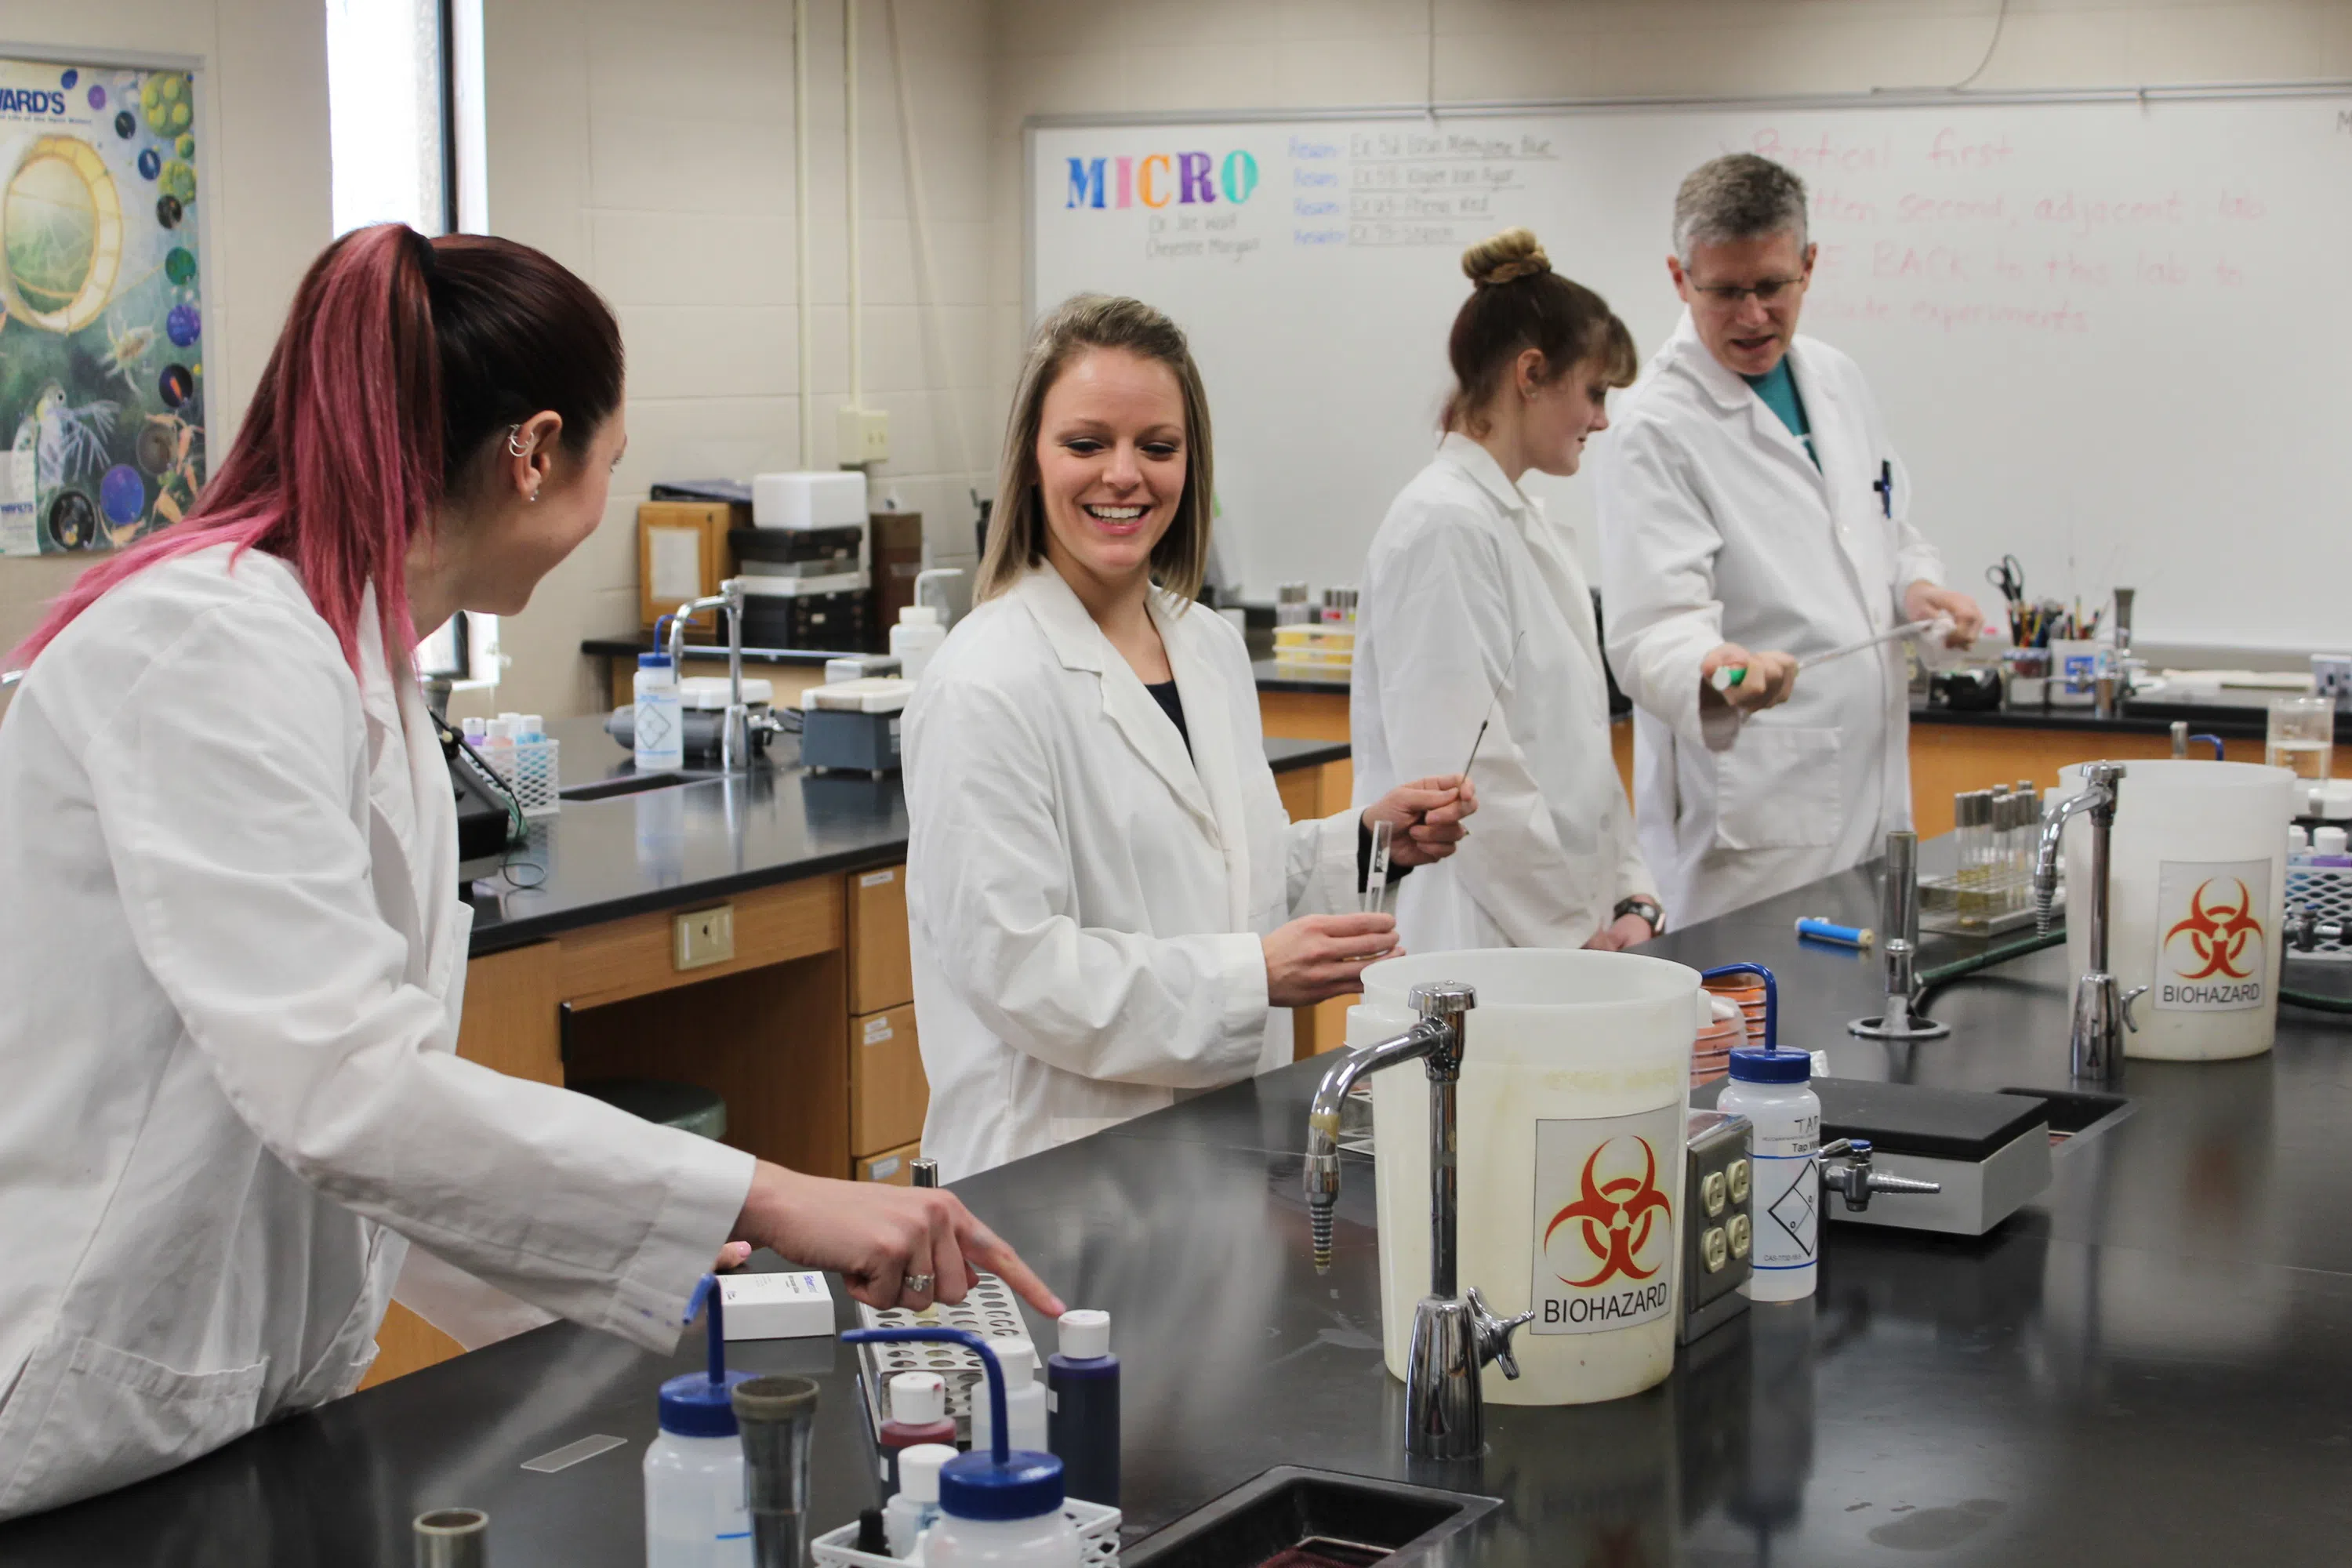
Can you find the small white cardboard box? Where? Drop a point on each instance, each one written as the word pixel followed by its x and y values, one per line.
pixel 775 1306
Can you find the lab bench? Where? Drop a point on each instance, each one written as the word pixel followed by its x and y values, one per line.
pixel 2151 1363
pixel 1950 749
pixel 804 1025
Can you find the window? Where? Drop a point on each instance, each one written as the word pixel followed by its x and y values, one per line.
pixel 388 112
pixel 405 145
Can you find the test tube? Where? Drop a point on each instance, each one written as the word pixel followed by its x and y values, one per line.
pixel 777 1418
pixel 1969 820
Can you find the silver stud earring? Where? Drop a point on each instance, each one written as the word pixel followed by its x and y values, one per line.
pixel 534 495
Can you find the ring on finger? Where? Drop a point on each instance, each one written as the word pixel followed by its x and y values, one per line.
pixel 916 1285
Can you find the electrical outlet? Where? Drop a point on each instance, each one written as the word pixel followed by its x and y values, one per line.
pixel 704 937
pixel 865 435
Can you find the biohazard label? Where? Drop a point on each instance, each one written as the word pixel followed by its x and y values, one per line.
pixel 1606 1189
pixel 2212 945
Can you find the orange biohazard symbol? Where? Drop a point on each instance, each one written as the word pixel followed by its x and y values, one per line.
pixel 1618 1217
pixel 2218 935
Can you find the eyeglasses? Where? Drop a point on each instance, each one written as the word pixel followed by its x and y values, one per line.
pixel 1729 295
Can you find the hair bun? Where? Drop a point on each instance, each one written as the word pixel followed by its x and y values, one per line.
pixel 1499 259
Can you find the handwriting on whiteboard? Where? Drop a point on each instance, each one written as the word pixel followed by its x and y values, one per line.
pixel 1952 230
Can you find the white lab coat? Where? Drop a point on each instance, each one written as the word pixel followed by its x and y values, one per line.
pixel 1465 565
pixel 233 958
pixel 1086 899
pixel 1716 526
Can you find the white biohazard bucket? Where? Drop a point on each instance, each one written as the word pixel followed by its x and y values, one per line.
pixel 1569 1123
pixel 2196 888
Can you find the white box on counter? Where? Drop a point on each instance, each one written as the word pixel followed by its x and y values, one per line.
pixel 834 498
pixel 775 1306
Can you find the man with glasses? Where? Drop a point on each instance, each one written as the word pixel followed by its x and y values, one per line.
pixel 1753 511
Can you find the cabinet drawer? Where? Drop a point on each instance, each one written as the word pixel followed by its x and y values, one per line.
pixel 881 969
pixel 894 1166
pixel 887 1092
pixel 634 956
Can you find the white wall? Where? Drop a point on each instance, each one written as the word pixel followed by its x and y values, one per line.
pixel 264 192
pixel 1081 57
pixel 650 149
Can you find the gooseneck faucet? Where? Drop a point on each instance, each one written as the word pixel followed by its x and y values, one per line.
pixel 1454 1335
pixel 735 734
pixel 2095 1044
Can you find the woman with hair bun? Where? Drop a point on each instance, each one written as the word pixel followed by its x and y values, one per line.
pixel 230 942
pixel 1473 596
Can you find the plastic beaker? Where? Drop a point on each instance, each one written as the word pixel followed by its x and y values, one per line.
pixel 2301 737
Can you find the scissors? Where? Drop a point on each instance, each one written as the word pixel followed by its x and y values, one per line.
pixel 2010 578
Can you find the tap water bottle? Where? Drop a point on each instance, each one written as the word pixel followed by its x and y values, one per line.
pixel 1774 1090
pixel 695 1513
pixel 660 723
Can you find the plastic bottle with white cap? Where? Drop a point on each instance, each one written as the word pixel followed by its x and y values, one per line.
pixel 1774 1090
pixel 918 1415
pixel 916 638
pixel 2328 847
pixel 1024 1398
pixel 1082 1407
pixel 915 1508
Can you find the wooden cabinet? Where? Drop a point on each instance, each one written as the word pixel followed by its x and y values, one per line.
pixel 887 1092
pixel 639 956
pixel 894 1166
pixel 881 969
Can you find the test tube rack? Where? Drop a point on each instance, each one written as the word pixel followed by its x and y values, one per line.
pixel 990 1309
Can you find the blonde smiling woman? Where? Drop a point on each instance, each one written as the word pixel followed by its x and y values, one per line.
pixel 1110 905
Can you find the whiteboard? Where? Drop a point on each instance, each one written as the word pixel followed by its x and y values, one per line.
pixel 2112 335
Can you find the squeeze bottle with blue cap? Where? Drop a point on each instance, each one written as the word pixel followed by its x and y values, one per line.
pixel 660 722
pixel 1082 1407
pixel 695 1511
pixel 1000 1507
pixel 1774 1090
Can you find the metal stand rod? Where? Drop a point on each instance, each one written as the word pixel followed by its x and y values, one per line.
pixel 1899 949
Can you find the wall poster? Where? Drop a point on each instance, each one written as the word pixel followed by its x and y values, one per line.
pixel 101 315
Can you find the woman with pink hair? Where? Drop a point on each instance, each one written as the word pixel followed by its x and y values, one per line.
pixel 229 940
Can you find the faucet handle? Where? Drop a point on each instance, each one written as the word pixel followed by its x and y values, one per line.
pixel 1494 1335
pixel 2130 996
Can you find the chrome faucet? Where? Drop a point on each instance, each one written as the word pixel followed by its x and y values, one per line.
pixel 736 730
pixel 1454 1335
pixel 2095 1044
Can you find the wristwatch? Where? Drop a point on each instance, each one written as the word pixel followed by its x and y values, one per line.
pixel 1646 908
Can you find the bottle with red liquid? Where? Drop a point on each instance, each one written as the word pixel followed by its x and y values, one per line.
pixel 918 1414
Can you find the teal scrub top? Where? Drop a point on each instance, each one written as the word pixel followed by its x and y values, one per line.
pixel 1777 388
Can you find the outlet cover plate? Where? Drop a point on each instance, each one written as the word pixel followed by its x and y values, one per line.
pixel 704 937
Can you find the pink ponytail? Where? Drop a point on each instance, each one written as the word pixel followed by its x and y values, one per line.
pixel 339 464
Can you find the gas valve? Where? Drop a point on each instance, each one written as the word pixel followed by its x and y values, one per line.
pixel 1845 1168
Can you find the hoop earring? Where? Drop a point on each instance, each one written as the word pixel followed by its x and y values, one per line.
pixel 514 447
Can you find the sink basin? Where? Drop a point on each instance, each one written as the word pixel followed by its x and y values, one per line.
pixel 627 783
pixel 1291 1517
pixel 2072 1111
